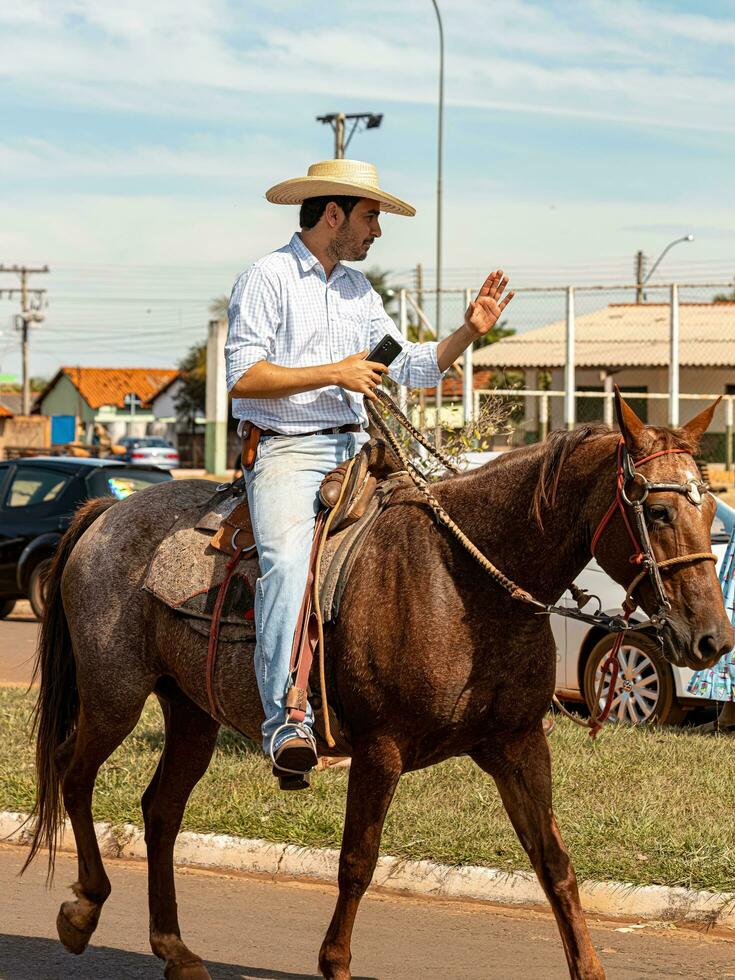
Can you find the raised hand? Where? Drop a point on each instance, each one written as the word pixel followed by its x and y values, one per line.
pixel 484 312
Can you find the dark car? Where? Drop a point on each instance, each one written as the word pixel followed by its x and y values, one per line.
pixel 38 497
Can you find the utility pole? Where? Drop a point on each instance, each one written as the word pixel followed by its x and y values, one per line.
pixel 27 316
pixel 419 338
pixel 339 136
pixel 640 262
pixel 439 157
pixel 215 434
pixel 338 122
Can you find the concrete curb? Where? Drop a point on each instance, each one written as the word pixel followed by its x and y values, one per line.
pixel 222 852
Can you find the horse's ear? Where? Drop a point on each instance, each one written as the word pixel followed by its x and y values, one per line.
pixel 629 424
pixel 697 426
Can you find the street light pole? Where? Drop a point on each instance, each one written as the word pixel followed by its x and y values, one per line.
pixel 640 281
pixel 439 156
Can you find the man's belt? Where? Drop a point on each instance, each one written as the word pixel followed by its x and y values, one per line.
pixel 332 431
pixel 251 437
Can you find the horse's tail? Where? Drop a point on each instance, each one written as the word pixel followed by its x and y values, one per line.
pixel 57 707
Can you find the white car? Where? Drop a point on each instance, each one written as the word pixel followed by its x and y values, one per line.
pixel 648 687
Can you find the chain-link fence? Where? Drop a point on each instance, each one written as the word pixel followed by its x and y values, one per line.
pixel 559 351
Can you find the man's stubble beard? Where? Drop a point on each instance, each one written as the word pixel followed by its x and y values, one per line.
pixel 346 247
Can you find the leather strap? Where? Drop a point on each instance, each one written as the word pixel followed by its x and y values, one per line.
pixel 332 431
pixel 305 637
pixel 214 707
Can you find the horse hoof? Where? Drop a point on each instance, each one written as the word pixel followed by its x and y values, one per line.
pixel 333 971
pixel 193 970
pixel 73 938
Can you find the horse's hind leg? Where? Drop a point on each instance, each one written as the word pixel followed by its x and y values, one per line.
pixel 374 774
pixel 524 781
pixel 190 739
pixel 78 760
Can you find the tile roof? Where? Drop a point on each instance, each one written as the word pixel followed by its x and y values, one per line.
pixel 624 335
pixel 12 401
pixel 109 386
pixel 452 385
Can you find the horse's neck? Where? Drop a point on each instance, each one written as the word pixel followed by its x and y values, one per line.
pixel 493 505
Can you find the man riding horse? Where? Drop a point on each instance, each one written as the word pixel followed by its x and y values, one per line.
pixel 300 326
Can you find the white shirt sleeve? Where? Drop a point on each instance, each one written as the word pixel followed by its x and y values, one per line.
pixel 416 366
pixel 254 316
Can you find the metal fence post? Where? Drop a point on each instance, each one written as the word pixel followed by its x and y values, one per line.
pixel 728 432
pixel 403 327
pixel 607 410
pixel 569 405
pixel 674 357
pixel 467 376
pixel 543 417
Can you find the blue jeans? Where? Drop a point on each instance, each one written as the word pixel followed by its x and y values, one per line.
pixel 283 490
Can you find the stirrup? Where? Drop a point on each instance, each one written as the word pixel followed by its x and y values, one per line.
pixel 292 779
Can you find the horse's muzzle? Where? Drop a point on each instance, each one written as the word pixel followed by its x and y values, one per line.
pixel 700 648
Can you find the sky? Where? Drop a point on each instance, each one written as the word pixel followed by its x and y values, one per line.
pixel 138 140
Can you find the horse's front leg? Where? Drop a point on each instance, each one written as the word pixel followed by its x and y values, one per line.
pixel 524 781
pixel 374 775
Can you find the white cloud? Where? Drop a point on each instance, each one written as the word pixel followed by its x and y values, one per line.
pixel 249 159
pixel 628 64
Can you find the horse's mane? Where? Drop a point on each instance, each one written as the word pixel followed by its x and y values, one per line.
pixel 560 444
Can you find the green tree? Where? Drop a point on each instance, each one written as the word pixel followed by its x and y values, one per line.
pixel 724 297
pixel 191 398
pixel 378 279
pixel 218 307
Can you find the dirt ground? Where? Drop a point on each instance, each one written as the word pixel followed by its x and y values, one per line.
pixel 251 928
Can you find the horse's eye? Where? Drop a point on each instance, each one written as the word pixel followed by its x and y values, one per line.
pixel 658 514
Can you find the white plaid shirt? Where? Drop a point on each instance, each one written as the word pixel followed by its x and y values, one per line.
pixel 284 310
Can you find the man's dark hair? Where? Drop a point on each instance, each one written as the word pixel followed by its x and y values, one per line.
pixel 313 208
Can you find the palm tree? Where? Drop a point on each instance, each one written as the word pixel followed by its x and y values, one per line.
pixel 218 307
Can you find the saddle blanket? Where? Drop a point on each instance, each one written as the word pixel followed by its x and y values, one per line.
pixel 188 567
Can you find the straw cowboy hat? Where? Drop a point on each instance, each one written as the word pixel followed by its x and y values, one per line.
pixel 350 177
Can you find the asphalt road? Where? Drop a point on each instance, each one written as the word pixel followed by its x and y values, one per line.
pixel 251 928
pixel 18 635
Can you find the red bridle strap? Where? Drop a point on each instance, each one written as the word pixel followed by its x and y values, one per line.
pixel 618 504
pixel 611 664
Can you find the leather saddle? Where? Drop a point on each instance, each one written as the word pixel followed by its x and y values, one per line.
pixel 207 566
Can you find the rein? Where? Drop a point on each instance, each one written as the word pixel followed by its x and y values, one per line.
pixel 632 490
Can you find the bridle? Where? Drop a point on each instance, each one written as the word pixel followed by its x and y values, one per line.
pixel 632 490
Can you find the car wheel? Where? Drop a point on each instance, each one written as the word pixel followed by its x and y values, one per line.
pixel 644 690
pixel 6 607
pixel 37 587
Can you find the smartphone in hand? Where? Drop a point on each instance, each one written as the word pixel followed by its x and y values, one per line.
pixel 385 351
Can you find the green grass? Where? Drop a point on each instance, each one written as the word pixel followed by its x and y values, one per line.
pixel 649 807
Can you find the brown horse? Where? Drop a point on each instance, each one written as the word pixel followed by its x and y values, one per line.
pixel 429 659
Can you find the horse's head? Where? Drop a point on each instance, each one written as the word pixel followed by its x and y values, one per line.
pixel 676 513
